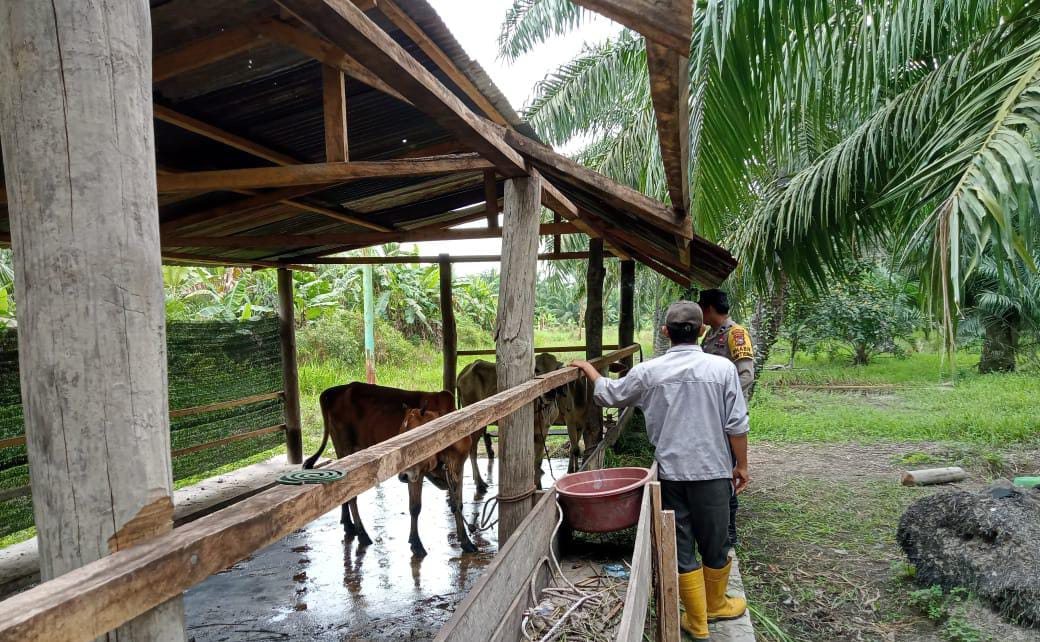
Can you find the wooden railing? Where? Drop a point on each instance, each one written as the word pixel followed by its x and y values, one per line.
pixel 90 601
pixel 21 491
pixel 483 351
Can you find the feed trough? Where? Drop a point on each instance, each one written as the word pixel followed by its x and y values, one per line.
pixel 601 501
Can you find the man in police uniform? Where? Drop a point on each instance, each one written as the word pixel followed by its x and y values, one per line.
pixel 730 340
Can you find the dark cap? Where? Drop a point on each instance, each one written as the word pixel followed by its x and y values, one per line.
pixel 682 312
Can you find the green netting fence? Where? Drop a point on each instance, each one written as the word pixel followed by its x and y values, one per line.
pixel 210 362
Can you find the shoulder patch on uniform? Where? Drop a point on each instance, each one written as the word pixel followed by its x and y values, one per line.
pixel 740 344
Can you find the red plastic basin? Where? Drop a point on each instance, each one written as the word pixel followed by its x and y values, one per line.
pixel 601 501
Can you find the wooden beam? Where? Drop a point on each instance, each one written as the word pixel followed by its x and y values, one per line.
pixel 191 259
pixel 290 376
pixel 202 52
pixel 514 347
pixel 416 34
pixel 85 603
pixel 449 340
pixel 334 108
pixel 666 588
pixel 537 350
pixel 594 275
pixel 667 22
pixel 637 595
pixel 223 405
pixel 491 198
pixel 323 51
pixel 351 30
pixel 670 91
pixel 252 434
pixel 79 154
pixel 317 173
pixel 241 207
pixel 614 194
pixel 407 259
pixel 167 115
pixel 626 307
pixel 359 239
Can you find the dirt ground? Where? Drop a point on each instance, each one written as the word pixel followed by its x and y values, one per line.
pixel 818 543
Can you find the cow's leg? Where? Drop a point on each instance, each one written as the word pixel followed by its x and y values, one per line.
pixel 454 474
pixel 348 525
pixel 415 507
pixel 359 528
pixel 487 444
pixel 482 486
pixel 573 437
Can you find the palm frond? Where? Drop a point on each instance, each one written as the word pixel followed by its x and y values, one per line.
pixel 529 23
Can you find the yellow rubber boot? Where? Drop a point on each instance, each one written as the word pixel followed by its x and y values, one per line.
pixel 721 607
pixel 691 592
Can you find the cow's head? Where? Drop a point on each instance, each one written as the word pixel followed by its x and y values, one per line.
pixel 413 418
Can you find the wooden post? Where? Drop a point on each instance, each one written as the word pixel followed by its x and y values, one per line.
pixel 515 348
pixel 290 376
pixel 79 157
pixel 594 331
pixel 626 315
pixel 449 340
pixel 556 237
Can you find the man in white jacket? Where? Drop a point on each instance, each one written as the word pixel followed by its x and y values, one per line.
pixel 697 420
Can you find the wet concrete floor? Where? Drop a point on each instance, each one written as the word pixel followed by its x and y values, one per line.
pixel 312 585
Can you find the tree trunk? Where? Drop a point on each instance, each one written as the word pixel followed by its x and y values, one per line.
pixel 79 157
pixel 861 357
pixel 765 325
pixel 1000 345
pixel 794 351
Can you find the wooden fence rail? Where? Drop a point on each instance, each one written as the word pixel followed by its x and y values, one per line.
pixel 186 412
pixel 94 599
pixel 482 351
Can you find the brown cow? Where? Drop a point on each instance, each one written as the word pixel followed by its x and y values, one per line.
pixel 359 415
pixel 446 467
pixel 479 380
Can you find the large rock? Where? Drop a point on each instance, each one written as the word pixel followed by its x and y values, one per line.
pixel 987 542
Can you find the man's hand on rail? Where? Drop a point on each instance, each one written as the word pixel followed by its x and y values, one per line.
pixel 587 368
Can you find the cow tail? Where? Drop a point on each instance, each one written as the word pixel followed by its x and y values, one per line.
pixel 313 459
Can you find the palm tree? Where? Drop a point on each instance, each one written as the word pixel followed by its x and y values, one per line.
pixel 823 130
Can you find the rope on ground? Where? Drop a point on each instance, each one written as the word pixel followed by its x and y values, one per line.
pixel 561 610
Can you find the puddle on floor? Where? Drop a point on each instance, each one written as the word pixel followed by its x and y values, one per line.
pixel 312 585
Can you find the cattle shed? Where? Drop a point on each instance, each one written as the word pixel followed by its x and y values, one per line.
pixel 271 134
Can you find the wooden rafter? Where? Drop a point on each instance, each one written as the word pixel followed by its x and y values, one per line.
pixel 191 259
pixel 614 194
pixel 667 22
pixel 202 52
pixel 472 258
pixel 317 173
pixel 416 34
pixel 670 91
pixel 322 50
pixel 334 108
pixel 201 128
pixel 347 27
pixel 355 239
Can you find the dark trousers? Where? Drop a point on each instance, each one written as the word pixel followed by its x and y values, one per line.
pixel 701 520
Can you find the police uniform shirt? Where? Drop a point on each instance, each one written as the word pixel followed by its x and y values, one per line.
pixel 732 341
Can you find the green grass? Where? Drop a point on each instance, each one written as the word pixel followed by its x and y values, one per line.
pixel 912 404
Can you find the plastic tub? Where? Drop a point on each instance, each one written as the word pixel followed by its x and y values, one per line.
pixel 601 501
